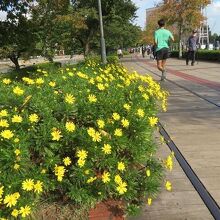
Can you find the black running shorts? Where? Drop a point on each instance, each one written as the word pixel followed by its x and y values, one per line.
pixel 162 54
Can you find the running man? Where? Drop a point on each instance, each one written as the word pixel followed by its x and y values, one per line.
pixel 161 40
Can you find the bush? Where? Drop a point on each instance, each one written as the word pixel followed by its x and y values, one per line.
pixel 212 55
pixel 78 136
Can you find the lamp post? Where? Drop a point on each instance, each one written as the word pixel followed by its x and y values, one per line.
pixel 103 50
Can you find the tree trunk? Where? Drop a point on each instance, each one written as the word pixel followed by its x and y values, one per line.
pixel 87 48
pixel 180 42
pixel 14 59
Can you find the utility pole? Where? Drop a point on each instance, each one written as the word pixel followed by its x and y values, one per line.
pixel 103 50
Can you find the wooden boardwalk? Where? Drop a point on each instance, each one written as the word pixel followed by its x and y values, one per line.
pixel 193 123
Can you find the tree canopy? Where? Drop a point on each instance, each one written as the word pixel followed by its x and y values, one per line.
pixel 45 26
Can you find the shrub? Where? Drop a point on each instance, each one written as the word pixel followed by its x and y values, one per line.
pixel 78 136
pixel 212 55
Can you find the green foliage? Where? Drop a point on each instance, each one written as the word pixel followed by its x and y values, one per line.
pixel 16 32
pixel 78 135
pixel 212 55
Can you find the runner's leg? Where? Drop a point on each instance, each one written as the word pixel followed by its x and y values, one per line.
pixel 159 65
pixel 164 69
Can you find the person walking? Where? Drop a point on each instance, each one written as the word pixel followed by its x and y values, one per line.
pixel 192 48
pixel 119 53
pixel 143 50
pixel 161 40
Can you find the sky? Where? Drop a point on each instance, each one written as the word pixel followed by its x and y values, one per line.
pixel 212 11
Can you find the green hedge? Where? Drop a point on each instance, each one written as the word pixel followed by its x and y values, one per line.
pixel 213 55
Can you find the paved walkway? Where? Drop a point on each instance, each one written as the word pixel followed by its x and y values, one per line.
pixel 194 125
pixel 7 65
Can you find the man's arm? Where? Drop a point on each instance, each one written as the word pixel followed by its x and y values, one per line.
pixel 155 39
pixel 171 36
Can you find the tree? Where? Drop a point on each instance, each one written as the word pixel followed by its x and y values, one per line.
pixel 16 32
pixel 148 33
pixel 114 12
pixel 185 14
pixel 122 35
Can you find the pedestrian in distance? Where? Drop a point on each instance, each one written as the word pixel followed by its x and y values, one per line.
pixel 153 52
pixel 191 45
pixel 143 50
pixel 162 37
pixel 119 53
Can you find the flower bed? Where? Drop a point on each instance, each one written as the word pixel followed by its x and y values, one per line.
pixel 78 135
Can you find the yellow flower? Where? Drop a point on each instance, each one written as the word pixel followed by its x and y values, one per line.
pixel 92 98
pixel 70 126
pixel 169 162
pixel 16 140
pixel 82 154
pixel 28 184
pixel 3 113
pixel 149 201
pixel 33 118
pixel 91 179
pixel 125 123
pixel 70 99
pixel 16 119
pixel 101 123
pixel 100 86
pixel 141 88
pixel 107 149
pixel 59 172
pixel 52 84
pixel 70 73
pixel 106 177
pixel 168 186
pixel 140 113
pixel 118 132
pixel 56 135
pixel 148 173
pixel 121 166
pixel 91 131
pixel 4 123
pixel 87 172
pixel 43 171
pixel 25 211
pixel 39 81
pixel 96 137
pixel 127 107
pixel 16 166
pixel 1 191
pixel 145 96
pixel 38 187
pixel 28 80
pixel 11 199
pixel 153 121
pixel 118 179
pixel 6 81
pixel 121 188
pixel 18 91
pixel 15 213
pixel 17 152
pixel 116 116
pixel 92 81
pixel 81 162
pixel 7 134
pixel 67 161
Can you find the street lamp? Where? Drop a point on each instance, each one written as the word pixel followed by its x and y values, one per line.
pixel 103 50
